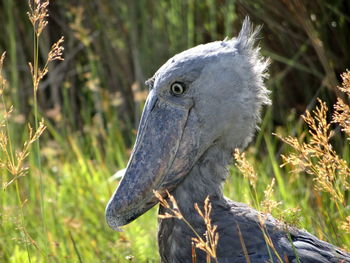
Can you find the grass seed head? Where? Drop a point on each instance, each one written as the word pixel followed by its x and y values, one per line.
pixel 346 225
pixel 210 241
pixel 268 204
pixel 245 167
pixel 342 110
pixel 38 14
pixel 56 51
pixel 2 78
pixel 317 156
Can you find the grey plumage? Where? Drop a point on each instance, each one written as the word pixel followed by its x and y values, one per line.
pixel 184 143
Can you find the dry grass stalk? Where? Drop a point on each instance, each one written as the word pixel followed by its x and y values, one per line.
pixel 241 239
pixel 268 239
pixel 28 239
pixel 193 252
pixel 2 79
pixel 269 205
pixel 55 53
pixel 15 163
pixel 12 161
pixel 211 236
pixel 317 157
pixel 245 168
pixel 38 14
pixel 3 83
pixel 172 207
pixel 346 225
pixel 210 241
pixel 342 110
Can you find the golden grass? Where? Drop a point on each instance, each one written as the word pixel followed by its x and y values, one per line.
pixel 317 157
pixel 346 225
pixel 342 110
pixel 37 14
pixel 268 205
pixel 211 236
pixel 209 242
pixel 245 168
pixel 15 163
pixel 12 158
pixel 37 73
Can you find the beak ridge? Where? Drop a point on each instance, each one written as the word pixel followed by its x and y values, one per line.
pixel 158 139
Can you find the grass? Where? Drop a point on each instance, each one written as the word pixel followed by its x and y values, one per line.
pixel 55 211
pixel 209 241
pixel 77 190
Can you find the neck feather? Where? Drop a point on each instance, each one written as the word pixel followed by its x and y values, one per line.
pixel 205 179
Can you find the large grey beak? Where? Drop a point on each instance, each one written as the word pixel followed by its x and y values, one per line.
pixel 159 160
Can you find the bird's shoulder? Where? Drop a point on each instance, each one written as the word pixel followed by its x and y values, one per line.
pixel 262 237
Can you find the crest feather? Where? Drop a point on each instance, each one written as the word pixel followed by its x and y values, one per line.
pixel 246 45
pixel 247 36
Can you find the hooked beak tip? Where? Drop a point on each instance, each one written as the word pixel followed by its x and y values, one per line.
pixel 113 224
pixel 112 220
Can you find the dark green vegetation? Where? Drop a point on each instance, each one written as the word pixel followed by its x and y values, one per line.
pixel 92 101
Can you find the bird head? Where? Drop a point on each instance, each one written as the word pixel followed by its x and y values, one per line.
pixel 209 94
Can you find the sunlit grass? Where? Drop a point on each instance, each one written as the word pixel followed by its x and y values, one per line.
pixel 84 145
pixel 77 190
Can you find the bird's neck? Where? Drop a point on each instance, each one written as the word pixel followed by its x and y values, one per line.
pixel 205 179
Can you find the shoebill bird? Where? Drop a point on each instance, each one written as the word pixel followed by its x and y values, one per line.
pixel 203 103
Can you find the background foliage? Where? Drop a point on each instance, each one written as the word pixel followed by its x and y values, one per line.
pixel 92 102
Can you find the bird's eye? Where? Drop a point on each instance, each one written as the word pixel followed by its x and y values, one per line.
pixel 177 88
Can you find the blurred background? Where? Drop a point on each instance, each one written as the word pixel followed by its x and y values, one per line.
pixel 92 102
pixel 112 47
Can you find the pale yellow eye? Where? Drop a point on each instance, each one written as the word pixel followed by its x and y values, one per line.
pixel 177 88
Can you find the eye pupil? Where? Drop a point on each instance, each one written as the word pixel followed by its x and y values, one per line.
pixel 177 88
